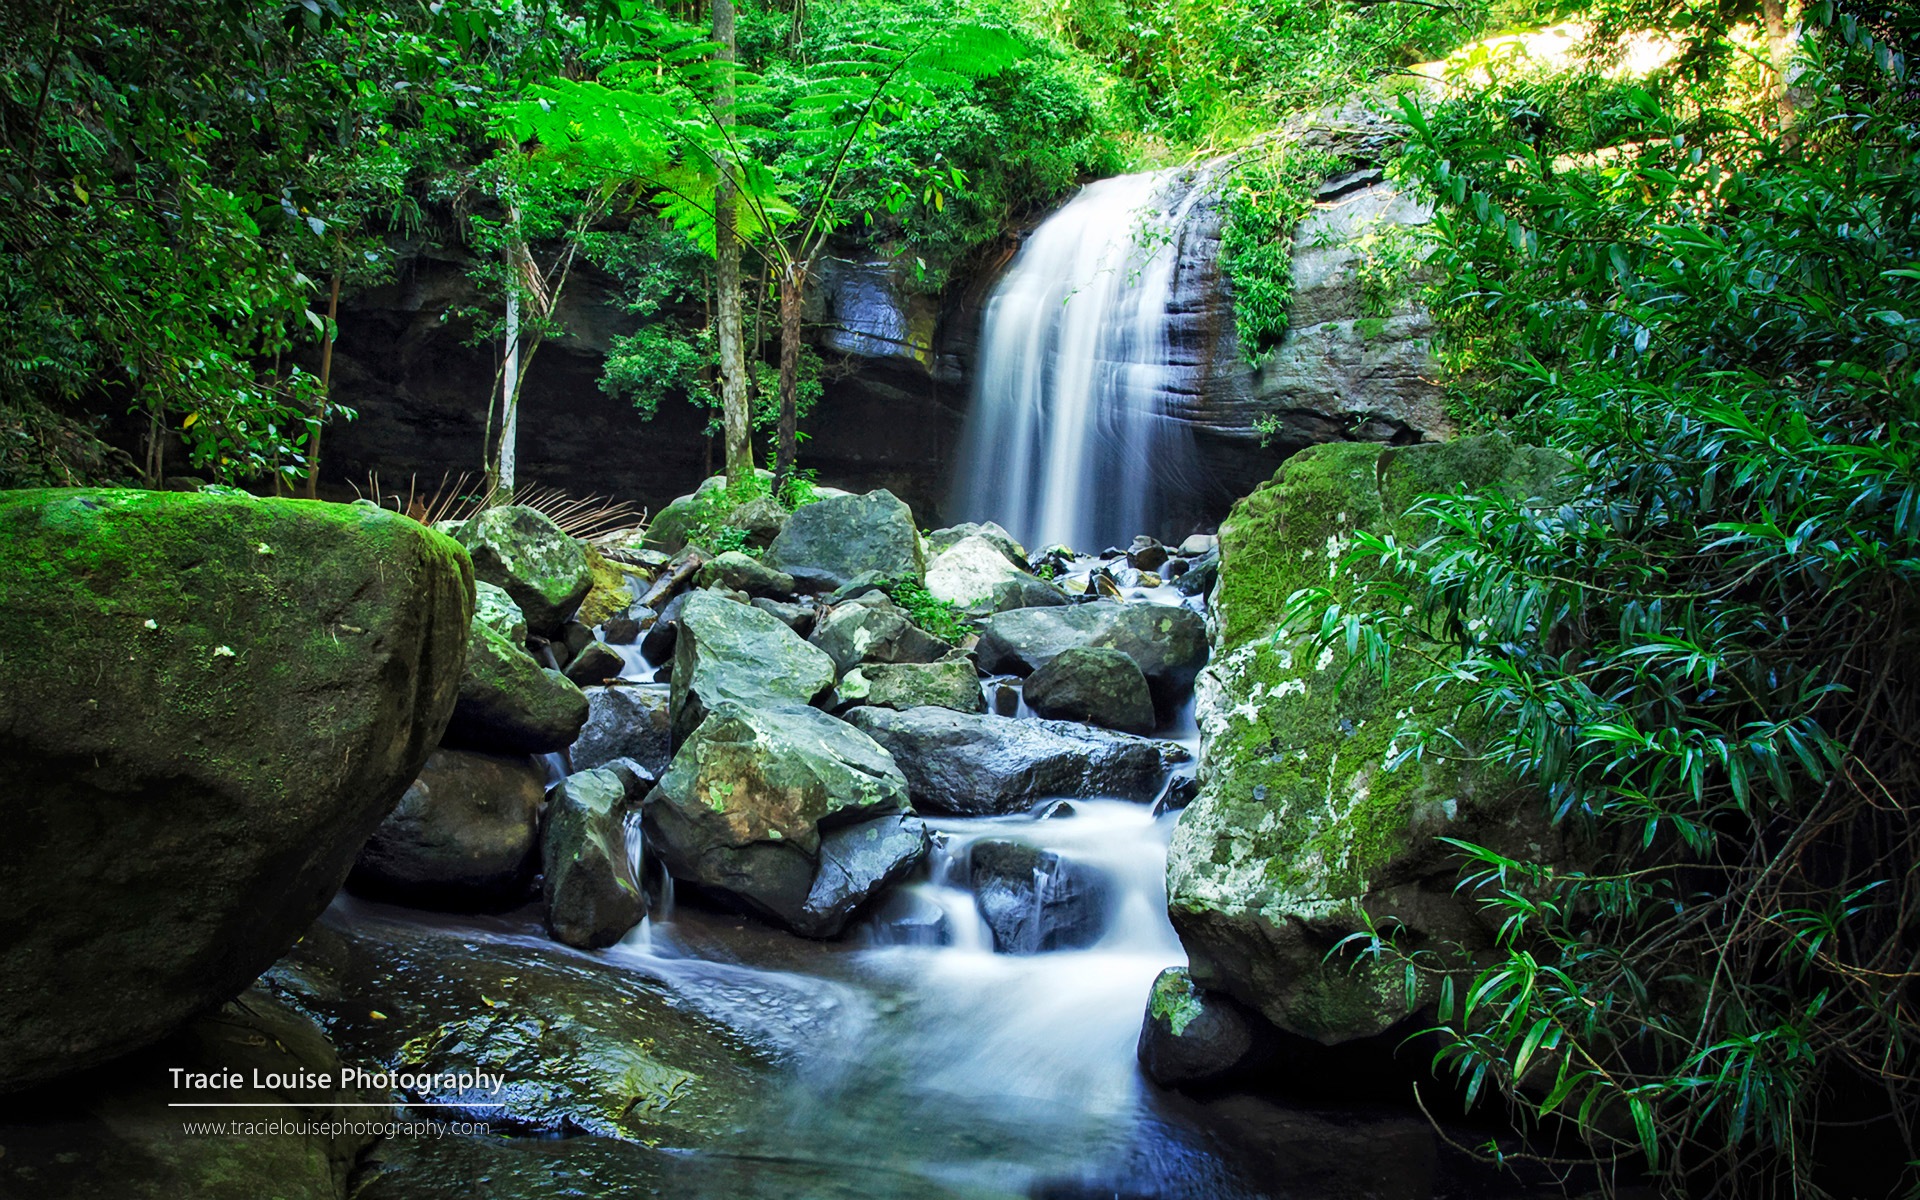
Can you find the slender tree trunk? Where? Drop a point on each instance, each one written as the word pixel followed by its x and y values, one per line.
pixel 728 313
pixel 509 401
pixel 793 286
pixel 326 381
pixel 1780 50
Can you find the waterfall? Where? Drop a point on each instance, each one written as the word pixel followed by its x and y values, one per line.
pixel 1069 438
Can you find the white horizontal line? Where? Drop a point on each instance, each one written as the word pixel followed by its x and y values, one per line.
pixel 325 1104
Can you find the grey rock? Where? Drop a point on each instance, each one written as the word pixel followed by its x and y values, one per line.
pixel 1098 685
pixel 509 704
pixel 941 539
pixel 596 663
pixel 742 573
pixel 496 610
pixel 1035 900
pixel 796 617
pixel 950 683
pixel 1168 644
pixel 626 721
pixel 979 577
pixel 853 633
pixel 463 836
pixel 826 543
pixel 1193 1036
pixel 591 894
pixel 727 651
pixel 857 863
pixel 658 643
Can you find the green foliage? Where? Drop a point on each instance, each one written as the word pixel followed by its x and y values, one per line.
pixel 1264 195
pixel 1706 657
pixel 941 618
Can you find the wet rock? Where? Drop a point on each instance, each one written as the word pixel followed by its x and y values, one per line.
pixel 867 585
pixel 1192 1036
pixel 950 683
pixel 612 591
pixel 1006 698
pixel 857 863
pixel 976 575
pixel 463 837
pixel 574 637
pixel 591 894
pixel 1034 900
pixel 1199 577
pixel 976 765
pixel 510 704
pixel 243 689
pixel 1099 686
pixel 1168 644
pixel 796 617
pixel 596 664
pixel 1181 791
pixel 1146 554
pixel 625 721
pixel 826 543
pixel 620 630
pixel 738 572
pixel 728 651
pixel 941 539
pixel 874 631
pixel 496 610
pixel 752 794
pixel 525 553
pixel 658 644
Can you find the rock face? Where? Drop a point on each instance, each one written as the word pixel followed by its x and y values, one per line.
pixel 950 683
pixel 521 551
pixel 977 575
pixel 978 765
pixel 242 690
pixel 592 896
pixel 752 795
pixel 1096 685
pixel 1303 826
pixel 1168 644
pixel 857 863
pixel 509 704
pixel 1034 900
pixel 727 651
pixel 463 836
pixel 626 721
pixel 827 543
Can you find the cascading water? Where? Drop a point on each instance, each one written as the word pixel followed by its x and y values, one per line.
pixel 1070 438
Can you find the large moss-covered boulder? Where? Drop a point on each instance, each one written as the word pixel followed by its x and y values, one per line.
pixel 730 651
pixel 752 793
pixel 522 551
pixel 829 542
pixel 510 704
pixel 207 702
pixel 977 575
pixel 1168 644
pixel 1305 826
pixel 591 893
pixel 610 594
pixel 464 836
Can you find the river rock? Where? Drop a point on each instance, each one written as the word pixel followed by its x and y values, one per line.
pixel 977 575
pixel 626 721
pixel 1305 828
pixel 657 645
pixel 241 690
pixel 1097 685
pixel 463 836
pixel 596 663
pixel 728 651
pixel 522 551
pixel 509 704
pixel 1146 554
pixel 612 592
pixel 828 542
pixel 1035 900
pixel 496 610
pixel 592 896
pixel 797 617
pixel 738 572
pixel 941 539
pixel 1198 544
pixel 1168 644
pixel 621 629
pixel 749 798
pixel 979 765
pixel 1199 577
pixel 950 683
pixel 762 519
pixel 1192 1036
pixel 857 863
pixel 872 628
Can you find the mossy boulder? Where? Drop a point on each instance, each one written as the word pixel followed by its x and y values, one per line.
pixel 872 629
pixel 744 573
pixel 496 610
pixel 510 704
pixel 611 593
pixel 1095 684
pixel 1190 1036
pixel 950 683
pixel 464 836
pixel 1167 643
pixel 731 651
pixel 1306 827
pixel 207 702
pixel 591 893
pixel 522 551
pixel 752 794
pixel 829 542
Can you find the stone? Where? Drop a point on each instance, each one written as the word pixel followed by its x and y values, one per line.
pixel 1191 1036
pixel 1035 900
pixel 1146 554
pixel 978 765
pixel 763 519
pixel 1306 827
pixel 510 704
pixel 739 572
pixel 462 838
pixel 591 893
pixel 750 796
pixel 657 645
pixel 243 688
pixel 1168 644
pixel 976 575
pixel 826 543
pixel 596 664
pixel 522 551
pixel 853 633
pixel 1199 577
pixel 574 637
pixel 625 721
pixel 496 610
pixel 950 683
pixel 728 651
pixel 1198 544
pixel 796 617
pixel 1097 685
pixel 612 591
pixel 857 864
pixel 989 531
pixel 864 586
pixel 620 630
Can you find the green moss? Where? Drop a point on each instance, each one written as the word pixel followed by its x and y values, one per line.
pixel 609 595
pixel 1370 328
pixel 1174 1001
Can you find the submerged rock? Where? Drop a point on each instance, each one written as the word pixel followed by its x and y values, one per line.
pixel 731 652
pixel 752 794
pixel 1103 687
pixel 522 551
pixel 463 836
pixel 1035 900
pixel 978 765
pixel 1305 828
pixel 625 721
pixel 827 543
pixel 1168 644
pixel 242 689
pixel 592 896
pixel 510 704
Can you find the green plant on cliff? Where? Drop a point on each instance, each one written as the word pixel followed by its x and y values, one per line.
pixel 1707 657
pixel 1264 195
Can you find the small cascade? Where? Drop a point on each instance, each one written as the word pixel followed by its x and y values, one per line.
pixel 1072 437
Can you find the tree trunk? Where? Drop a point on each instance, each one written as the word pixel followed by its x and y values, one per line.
pixel 509 390
pixel 1780 50
pixel 728 314
pixel 793 286
pixel 326 384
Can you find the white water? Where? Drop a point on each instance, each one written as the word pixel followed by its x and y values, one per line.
pixel 1068 439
